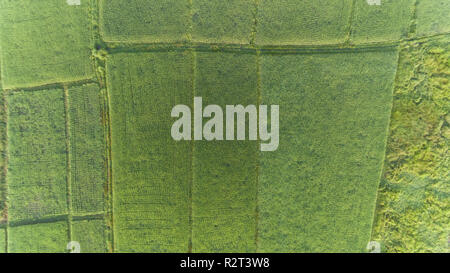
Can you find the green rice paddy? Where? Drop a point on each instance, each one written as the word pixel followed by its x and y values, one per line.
pixel 85 125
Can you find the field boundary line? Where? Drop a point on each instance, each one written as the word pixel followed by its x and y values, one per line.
pixel 68 161
pixel 56 85
pixel 387 133
pixel 255 22
pixel 412 30
pixel 127 47
pixel 56 218
pixel 259 94
pixel 5 170
pixel 33 221
pixel 249 50
pixel 109 168
pixel 350 22
pixel 191 217
pixel 90 216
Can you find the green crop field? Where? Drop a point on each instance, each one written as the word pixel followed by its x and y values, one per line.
pixel 91 235
pixel 87 155
pixel 37 154
pixel 432 17
pixel 387 22
pixel 145 20
pixel 38 238
pixel 151 173
pixel 87 149
pixel 317 192
pixel 219 21
pixel 224 189
pixel 302 22
pixel 44 42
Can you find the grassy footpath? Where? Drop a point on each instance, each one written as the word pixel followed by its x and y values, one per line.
pixel 414 197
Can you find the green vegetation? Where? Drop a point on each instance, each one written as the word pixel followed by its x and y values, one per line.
pixel 93 161
pixel 38 238
pixel 37 154
pixel 317 191
pixel 2 240
pixel 44 42
pixel 3 146
pixel 87 149
pixel 389 21
pixel 219 21
pixel 151 172
pixel 414 197
pixel 225 172
pixel 432 17
pixel 302 21
pixel 91 235
pixel 152 21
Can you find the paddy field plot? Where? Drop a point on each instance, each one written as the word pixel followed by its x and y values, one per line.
pixel 38 238
pixel 218 21
pixel 432 17
pixel 225 172
pixel 44 42
pixel 37 170
pixel 151 172
pixel 296 22
pixel 389 21
pixel 317 191
pixel 91 234
pixel 87 149
pixel 151 21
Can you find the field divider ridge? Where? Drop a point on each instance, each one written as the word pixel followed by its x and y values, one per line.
pixel 259 92
pixel 255 23
pixel 350 22
pixel 388 129
pixel 109 169
pixel 68 160
pixel 57 85
pixel 191 182
pixel 5 170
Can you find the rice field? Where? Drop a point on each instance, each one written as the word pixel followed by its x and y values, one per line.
pixel 44 42
pixel 85 125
